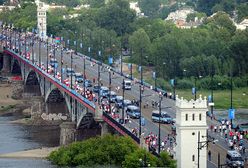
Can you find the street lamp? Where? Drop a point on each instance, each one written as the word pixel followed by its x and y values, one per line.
pixel 47 55
pixel 98 77
pixel 123 95
pixel 61 60
pixel 109 71
pixel 141 85
pixel 195 90
pixel 202 144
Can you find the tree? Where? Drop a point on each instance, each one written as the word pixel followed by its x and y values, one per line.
pixel 139 40
pixel 116 16
pixel 149 8
pixel 242 11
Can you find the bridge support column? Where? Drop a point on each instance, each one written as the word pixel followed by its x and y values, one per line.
pixel 6 64
pixel 67 133
pixel 104 128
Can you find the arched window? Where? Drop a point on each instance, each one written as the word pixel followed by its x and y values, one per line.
pixel 193 158
pixel 200 117
pixel 186 117
pixel 193 117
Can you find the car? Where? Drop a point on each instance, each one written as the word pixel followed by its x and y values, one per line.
pixel 112 96
pixel 87 83
pixel 53 62
pixel 118 101
pixel 234 159
pixel 79 77
pixel 126 103
pixel 70 72
pixel 133 111
pixel 96 88
pixel 103 91
pixel 162 117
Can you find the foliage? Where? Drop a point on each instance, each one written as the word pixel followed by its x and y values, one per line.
pixel 71 3
pixel 107 150
pixel 22 17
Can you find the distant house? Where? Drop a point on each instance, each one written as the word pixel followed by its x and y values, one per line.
pixel 179 19
pixel 242 25
pixel 3 7
pixel 135 7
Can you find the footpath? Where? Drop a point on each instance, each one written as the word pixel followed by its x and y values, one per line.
pixel 34 153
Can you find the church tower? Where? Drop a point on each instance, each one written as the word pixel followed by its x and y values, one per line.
pixel 41 20
pixel 191 129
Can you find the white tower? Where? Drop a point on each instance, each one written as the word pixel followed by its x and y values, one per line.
pixel 191 128
pixel 41 20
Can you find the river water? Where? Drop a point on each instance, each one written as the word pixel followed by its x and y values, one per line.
pixel 15 138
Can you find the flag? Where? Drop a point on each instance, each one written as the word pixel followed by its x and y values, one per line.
pixel 88 49
pixel 99 53
pixel 172 82
pixel 153 75
pixel 75 42
pixel 81 45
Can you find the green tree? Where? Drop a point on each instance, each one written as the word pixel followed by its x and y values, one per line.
pixel 139 40
pixel 242 11
pixel 116 16
pixel 149 8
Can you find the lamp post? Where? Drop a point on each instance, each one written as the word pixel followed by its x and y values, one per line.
pixel 202 144
pixel 231 96
pixel 61 60
pixel 98 76
pixel 109 71
pixel 47 55
pixel 19 41
pixel 123 95
pixel 131 66
pixel 195 91
pixel 32 43
pixel 25 44
pixel 141 85
pixel 159 129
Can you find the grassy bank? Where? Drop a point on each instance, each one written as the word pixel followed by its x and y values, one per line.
pixel 222 98
pixel 6 108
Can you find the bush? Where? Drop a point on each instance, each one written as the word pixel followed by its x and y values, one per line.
pixel 184 84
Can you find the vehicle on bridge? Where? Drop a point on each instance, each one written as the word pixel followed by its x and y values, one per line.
pixel 96 88
pixel 69 72
pixel 133 111
pixel 87 83
pixel 164 117
pixel 79 77
pixel 234 159
pixel 112 96
pixel 103 91
pixel 53 62
pixel 127 85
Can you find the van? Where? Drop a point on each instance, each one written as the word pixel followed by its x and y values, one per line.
pixel 133 111
pixel 164 117
pixel 234 159
pixel 127 85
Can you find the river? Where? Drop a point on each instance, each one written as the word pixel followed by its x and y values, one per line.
pixel 15 138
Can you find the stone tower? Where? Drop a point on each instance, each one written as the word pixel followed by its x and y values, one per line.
pixel 41 20
pixel 191 128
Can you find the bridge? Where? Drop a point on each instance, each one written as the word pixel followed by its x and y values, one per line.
pixel 81 110
pixel 33 64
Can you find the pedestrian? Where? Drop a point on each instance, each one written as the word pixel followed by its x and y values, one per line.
pixel 209 155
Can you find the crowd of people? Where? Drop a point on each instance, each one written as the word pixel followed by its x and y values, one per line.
pixel 234 137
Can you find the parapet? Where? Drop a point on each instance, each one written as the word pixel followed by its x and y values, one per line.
pixel 198 103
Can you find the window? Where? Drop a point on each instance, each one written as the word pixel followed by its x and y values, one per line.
pixel 186 117
pixel 200 117
pixel 193 117
pixel 193 158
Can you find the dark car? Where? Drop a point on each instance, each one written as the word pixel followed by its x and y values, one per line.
pixel 96 88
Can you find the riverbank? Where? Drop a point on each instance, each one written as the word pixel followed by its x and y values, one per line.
pixel 40 153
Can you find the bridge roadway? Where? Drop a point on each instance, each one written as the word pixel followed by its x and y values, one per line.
pixel 91 72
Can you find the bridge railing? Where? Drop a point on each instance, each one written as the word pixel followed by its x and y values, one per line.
pixel 54 79
pixel 121 127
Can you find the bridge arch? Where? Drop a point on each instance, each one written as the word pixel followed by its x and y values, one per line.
pixel 32 83
pixel 16 67
pixel 57 100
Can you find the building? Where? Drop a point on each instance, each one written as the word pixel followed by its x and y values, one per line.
pixel 41 20
pixel 191 128
pixel 243 25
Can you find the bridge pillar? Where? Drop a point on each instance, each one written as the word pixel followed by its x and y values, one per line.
pixel 67 133
pixel 6 64
pixel 104 128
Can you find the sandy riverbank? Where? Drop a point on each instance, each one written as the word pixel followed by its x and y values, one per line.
pixel 40 153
